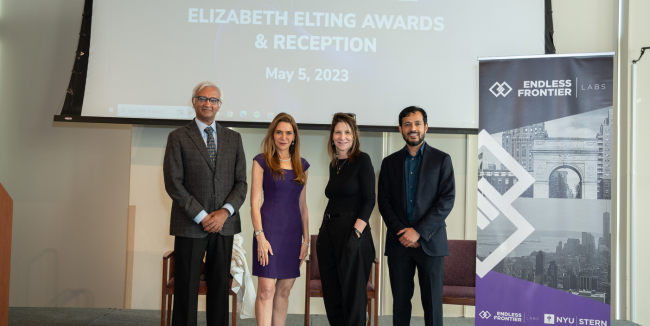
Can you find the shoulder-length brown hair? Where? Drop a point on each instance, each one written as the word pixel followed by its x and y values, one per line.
pixel 355 150
pixel 271 155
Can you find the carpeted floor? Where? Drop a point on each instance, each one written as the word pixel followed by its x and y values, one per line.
pixel 97 316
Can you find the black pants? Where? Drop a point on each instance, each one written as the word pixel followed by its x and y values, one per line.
pixel 344 262
pixel 188 258
pixel 402 270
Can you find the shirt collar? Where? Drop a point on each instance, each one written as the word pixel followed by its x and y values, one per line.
pixel 419 153
pixel 202 125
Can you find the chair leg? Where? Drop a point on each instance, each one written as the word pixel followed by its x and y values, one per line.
pixel 376 298
pixel 169 309
pixel 234 309
pixel 369 311
pixel 307 292
pixel 307 312
pixel 376 314
pixel 162 309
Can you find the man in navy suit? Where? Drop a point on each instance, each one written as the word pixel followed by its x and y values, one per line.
pixel 415 196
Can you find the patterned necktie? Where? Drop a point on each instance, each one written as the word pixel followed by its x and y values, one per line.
pixel 212 147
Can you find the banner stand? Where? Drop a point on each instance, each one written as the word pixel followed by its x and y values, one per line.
pixel 544 192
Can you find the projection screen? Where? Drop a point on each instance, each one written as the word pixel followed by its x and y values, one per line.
pixel 308 58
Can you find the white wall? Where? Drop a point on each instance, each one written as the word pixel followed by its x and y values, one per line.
pixel 584 26
pixel 593 26
pixel 69 182
pixel 152 205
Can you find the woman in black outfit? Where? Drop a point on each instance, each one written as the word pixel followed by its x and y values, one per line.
pixel 345 248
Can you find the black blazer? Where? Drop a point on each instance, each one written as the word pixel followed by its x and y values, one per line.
pixel 434 199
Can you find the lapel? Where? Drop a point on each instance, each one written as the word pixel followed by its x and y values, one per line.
pixel 195 135
pixel 401 167
pixel 221 143
pixel 424 163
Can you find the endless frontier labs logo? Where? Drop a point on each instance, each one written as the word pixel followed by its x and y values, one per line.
pixel 485 314
pixel 500 89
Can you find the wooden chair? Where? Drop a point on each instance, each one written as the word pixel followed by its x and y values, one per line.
pixel 459 276
pixel 314 287
pixel 6 217
pixel 168 290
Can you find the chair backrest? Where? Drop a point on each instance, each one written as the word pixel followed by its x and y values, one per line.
pixel 313 259
pixel 171 266
pixel 460 265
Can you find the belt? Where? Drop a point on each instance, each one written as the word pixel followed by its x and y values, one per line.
pixel 339 215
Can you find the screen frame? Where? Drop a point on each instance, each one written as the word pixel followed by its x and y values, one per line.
pixel 248 124
pixel 73 103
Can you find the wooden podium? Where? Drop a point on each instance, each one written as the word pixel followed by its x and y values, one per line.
pixel 6 212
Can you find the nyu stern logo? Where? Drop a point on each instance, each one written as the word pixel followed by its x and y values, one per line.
pixel 485 314
pixel 552 319
pixel 549 319
pixel 500 89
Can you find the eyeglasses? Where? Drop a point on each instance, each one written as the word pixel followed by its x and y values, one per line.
pixel 213 100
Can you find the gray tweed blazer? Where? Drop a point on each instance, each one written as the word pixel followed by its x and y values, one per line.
pixel 195 184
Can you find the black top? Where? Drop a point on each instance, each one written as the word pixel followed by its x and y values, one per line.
pixel 353 189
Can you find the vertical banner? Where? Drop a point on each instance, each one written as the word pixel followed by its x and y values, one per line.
pixel 545 177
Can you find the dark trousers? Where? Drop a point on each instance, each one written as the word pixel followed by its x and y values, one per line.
pixel 344 263
pixel 402 270
pixel 188 258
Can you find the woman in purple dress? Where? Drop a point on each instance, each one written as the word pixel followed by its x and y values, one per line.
pixel 280 224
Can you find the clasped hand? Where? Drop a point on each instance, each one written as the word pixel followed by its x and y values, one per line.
pixel 409 238
pixel 213 223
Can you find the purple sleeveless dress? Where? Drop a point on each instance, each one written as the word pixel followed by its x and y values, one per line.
pixel 282 224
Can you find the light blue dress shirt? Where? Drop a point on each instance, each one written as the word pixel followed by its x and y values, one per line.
pixel 202 127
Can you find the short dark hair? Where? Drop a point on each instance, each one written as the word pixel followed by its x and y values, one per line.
pixel 411 110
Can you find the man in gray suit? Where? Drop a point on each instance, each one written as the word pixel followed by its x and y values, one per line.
pixel 205 175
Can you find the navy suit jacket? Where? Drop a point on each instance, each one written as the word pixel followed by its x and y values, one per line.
pixel 434 199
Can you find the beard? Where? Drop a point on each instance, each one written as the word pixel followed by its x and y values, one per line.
pixel 414 142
